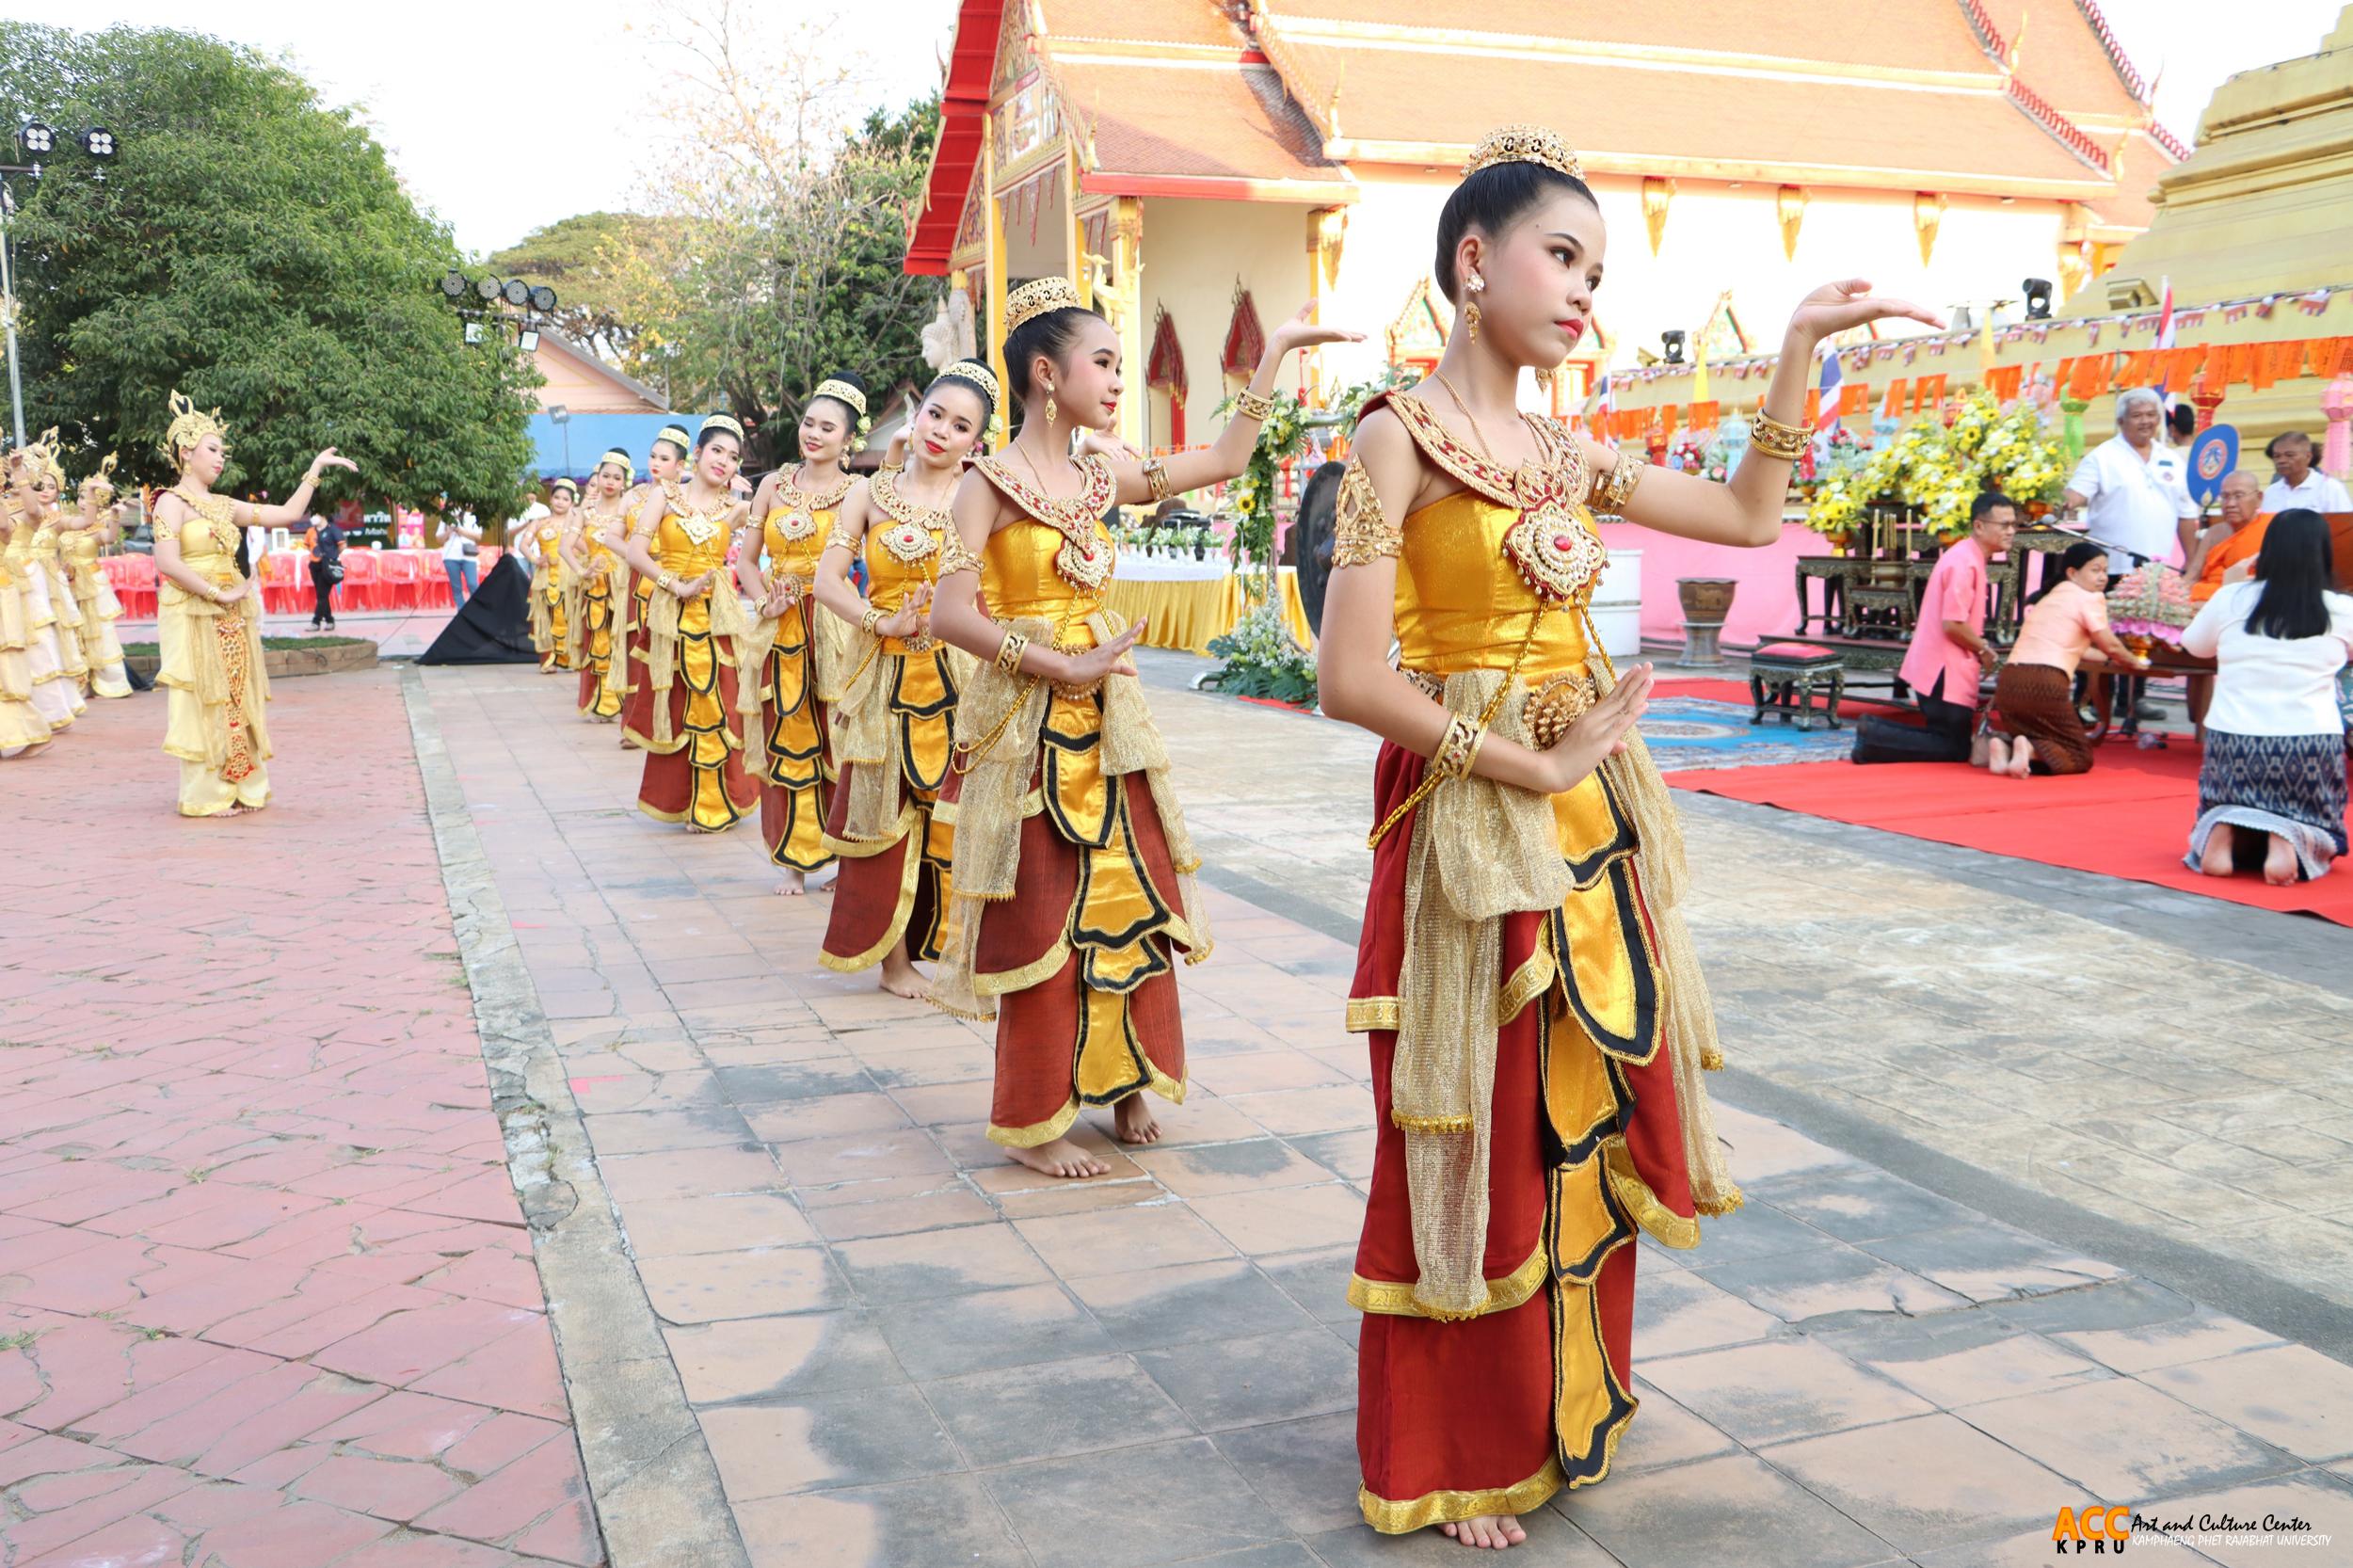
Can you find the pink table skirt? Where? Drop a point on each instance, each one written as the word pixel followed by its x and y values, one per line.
pixel 392 579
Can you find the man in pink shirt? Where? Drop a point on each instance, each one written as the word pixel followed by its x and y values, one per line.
pixel 1948 651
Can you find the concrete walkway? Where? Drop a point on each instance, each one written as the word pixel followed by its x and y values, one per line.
pixel 880 1343
pixel 267 1296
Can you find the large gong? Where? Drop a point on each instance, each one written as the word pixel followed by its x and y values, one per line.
pixel 1312 535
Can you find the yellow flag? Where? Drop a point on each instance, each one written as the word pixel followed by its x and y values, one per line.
pixel 1699 371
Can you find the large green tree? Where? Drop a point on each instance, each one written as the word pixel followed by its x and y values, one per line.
pixel 253 248
pixel 575 257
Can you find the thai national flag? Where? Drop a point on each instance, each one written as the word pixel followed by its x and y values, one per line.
pixel 1826 417
pixel 2164 331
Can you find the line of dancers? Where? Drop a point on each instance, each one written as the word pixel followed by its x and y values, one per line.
pixel 58 612
pixel 966 740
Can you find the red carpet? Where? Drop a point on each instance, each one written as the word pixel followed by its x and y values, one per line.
pixel 2130 817
pixel 1737 692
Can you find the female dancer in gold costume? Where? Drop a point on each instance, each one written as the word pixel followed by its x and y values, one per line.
pixel 53 651
pixel 210 623
pixel 1538 1023
pixel 599 570
pixel 551 589
pixel 791 514
pixel 683 711
pixel 83 536
pixel 665 462
pixel 893 724
pixel 23 728
pixel 1072 877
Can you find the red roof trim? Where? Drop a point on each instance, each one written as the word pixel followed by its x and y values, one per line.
pixel 963 108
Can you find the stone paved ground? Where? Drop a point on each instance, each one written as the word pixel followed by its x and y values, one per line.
pixel 880 1343
pixel 265 1294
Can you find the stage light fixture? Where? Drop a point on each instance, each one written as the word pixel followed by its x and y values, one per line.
pixel 454 285
pixel 488 288
pixel 99 142
pixel 2038 299
pixel 517 292
pixel 36 138
pixel 473 332
pixel 529 342
pixel 543 298
pixel 1674 342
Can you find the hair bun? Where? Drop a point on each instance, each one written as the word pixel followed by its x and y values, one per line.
pixel 852 377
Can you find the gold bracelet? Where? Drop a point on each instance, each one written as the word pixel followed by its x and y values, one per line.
pixel 1250 405
pixel 1617 489
pixel 1784 443
pixel 1457 748
pixel 665 583
pixel 1009 652
pixel 870 620
pixel 1156 475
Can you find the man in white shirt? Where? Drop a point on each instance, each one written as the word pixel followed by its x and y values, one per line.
pixel 2299 484
pixel 2132 488
pixel 2136 502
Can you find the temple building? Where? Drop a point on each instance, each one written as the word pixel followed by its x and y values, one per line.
pixel 1203 166
pixel 2252 233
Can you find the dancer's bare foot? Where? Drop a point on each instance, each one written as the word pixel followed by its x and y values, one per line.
pixel 899 977
pixel 793 884
pixel 2217 860
pixel 1496 1531
pixel 1133 1121
pixel 2022 759
pixel 2279 866
pixel 1061 1157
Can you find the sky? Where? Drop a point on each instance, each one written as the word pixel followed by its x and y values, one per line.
pixel 505 124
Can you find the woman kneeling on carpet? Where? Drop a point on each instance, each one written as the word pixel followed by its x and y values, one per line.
pixel 2274 741
pixel 2039 730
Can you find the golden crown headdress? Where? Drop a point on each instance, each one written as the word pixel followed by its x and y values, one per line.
pixel 629 470
pixel 1523 144
pixel 100 477
pixel 720 422
pixel 41 458
pixel 189 426
pixel 978 373
pixel 676 435
pixel 560 483
pixel 842 392
pixel 1034 299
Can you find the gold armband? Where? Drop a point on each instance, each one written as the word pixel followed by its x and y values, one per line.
pixel 841 539
pixel 1616 488
pixel 666 583
pixel 956 556
pixel 1361 534
pixel 1156 475
pixel 1784 443
pixel 1250 405
pixel 1457 750
pixel 1009 652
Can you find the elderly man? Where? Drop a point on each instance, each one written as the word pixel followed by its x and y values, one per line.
pixel 2226 550
pixel 1949 655
pixel 2131 489
pixel 2299 484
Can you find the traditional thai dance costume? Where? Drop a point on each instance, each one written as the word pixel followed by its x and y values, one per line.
pixel 892 718
pixel 211 671
pixel 1537 1022
pixel 1073 872
pixel 550 593
pixel 593 638
pixel 55 694
pixel 94 597
pixel 21 725
pixel 795 651
pixel 683 711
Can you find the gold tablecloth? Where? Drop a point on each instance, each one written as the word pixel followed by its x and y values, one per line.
pixel 1186 615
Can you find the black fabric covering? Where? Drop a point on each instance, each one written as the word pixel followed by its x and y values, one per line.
pixel 493 627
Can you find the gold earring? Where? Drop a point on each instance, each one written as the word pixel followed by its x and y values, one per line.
pixel 1470 318
pixel 1544 379
pixel 1053 410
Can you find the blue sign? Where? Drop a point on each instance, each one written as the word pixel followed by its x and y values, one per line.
pixel 2212 457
